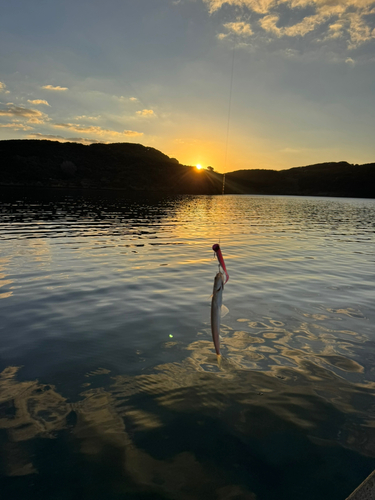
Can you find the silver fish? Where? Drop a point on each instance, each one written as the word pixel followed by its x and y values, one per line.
pixel 216 304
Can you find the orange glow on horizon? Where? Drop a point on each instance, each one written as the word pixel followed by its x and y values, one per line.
pixel 199 167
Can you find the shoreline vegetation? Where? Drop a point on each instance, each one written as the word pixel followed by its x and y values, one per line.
pixel 136 169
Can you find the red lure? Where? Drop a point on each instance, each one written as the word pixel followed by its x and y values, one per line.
pixel 219 255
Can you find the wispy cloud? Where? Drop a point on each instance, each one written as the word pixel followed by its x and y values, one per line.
pixel 261 6
pixel 97 130
pixel 2 86
pixel 16 126
pixel 59 138
pixel 353 21
pixel 132 133
pixel 146 112
pixel 85 117
pixel 32 115
pixel 239 28
pixel 38 101
pixel 126 99
pixel 57 88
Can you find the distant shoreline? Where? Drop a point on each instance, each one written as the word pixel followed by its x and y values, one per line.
pixel 134 169
pixel 33 190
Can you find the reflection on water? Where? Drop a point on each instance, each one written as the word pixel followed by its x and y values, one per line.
pixel 160 432
pixel 109 384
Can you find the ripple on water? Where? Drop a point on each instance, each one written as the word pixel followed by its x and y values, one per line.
pixel 91 294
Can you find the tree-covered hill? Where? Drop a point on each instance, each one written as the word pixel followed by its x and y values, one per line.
pixel 123 166
pixel 324 179
pixel 134 168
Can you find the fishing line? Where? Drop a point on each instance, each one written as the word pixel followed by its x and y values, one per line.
pixel 229 113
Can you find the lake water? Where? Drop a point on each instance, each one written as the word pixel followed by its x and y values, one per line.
pixel 110 386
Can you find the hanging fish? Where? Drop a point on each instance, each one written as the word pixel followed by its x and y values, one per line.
pixel 216 305
pixel 217 308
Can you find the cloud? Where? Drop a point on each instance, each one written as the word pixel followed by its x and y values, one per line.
pixel 85 117
pixel 59 138
pixel 38 101
pixel 239 28
pixel 2 86
pixel 126 99
pixel 51 87
pixel 146 112
pixel 97 130
pixel 260 6
pixel 309 23
pixel 352 21
pixel 32 115
pixel 359 31
pixel 82 140
pixel 132 133
pixel 16 126
pixel 335 30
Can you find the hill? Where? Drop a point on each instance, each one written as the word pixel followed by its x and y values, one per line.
pixel 323 179
pixel 123 166
pixel 134 168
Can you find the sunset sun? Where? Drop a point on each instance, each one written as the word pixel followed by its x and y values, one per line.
pixel 199 167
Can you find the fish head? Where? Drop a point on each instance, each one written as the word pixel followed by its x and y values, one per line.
pixel 218 282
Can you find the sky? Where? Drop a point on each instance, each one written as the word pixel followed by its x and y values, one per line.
pixel 232 84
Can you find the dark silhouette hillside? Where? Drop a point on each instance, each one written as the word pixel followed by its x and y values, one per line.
pixel 123 166
pixel 134 168
pixel 324 179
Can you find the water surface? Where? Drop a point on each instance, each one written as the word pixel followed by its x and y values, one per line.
pixel 110 386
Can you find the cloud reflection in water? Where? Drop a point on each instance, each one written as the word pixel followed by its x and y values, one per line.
pixel 159 430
